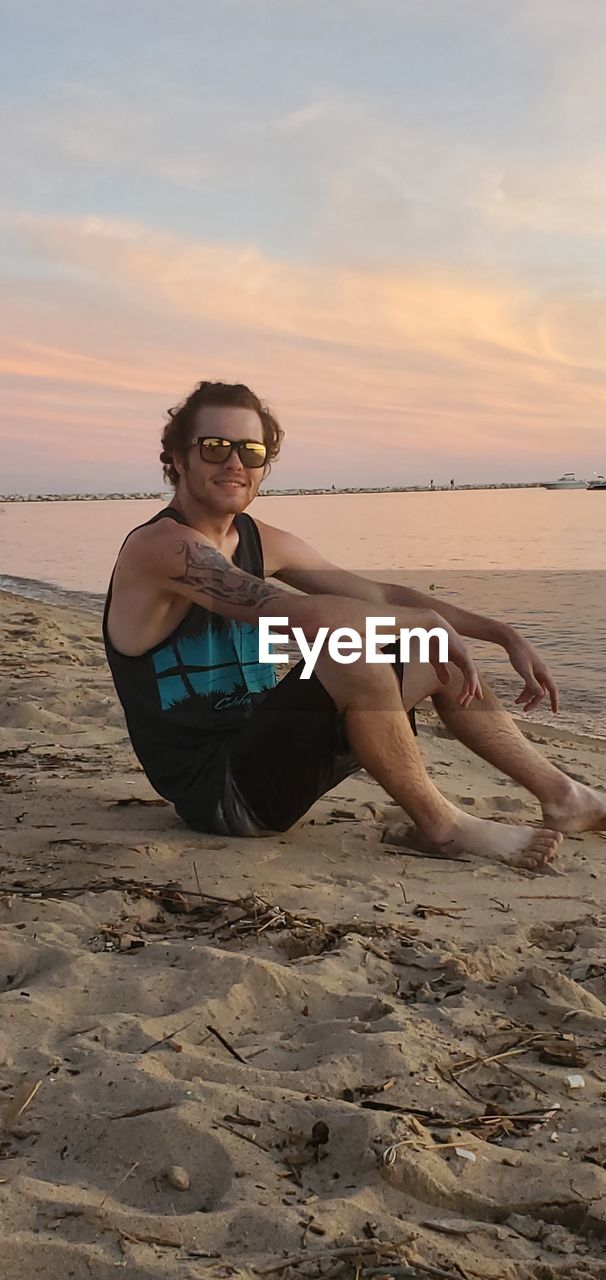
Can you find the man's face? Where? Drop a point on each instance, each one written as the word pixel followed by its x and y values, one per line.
pixel 224 487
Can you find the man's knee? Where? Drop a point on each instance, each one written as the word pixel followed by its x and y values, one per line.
pixel 358 684
pixel 450 692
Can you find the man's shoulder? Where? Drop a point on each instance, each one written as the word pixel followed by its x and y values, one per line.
pixel 155 550
pixel 267 530
pixel 282 548
pixel 145 539
pixel 138 537
pixel 272 538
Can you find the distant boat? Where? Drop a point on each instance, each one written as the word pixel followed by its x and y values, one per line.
pixel 598 483
pixel 567 481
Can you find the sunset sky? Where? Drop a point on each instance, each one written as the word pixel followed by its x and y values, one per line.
pixel 387 217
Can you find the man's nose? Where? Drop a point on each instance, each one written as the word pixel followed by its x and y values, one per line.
pixel 233 462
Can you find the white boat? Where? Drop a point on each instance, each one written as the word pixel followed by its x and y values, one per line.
pixel 598 483
pixel 567 481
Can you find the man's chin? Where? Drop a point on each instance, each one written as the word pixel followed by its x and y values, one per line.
pixel 232 500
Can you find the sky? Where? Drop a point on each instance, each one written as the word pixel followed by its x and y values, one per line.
pixel 386 217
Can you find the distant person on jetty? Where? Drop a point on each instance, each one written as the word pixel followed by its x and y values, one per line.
pixel 240 754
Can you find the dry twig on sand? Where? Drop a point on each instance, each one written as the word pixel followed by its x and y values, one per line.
pixel 24 1094
pixel 387 1253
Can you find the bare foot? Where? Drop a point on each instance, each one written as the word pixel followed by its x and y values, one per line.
pixel 581 809
pixel 518 846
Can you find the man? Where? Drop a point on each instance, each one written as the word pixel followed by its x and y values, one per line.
pixel 238 753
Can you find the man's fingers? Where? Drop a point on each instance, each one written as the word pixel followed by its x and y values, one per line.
pixel 531 694
pixel 461 658
pixel 538 688
pixel 472 687
pixel 551 688
pixel 476 690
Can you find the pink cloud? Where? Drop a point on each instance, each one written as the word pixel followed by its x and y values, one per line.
pixel 418 360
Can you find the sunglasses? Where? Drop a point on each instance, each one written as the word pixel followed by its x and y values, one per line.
pixel 250 452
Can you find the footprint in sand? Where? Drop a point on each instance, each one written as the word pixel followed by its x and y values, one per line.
pixel 483 807
pixel 489 806
pixel 94 1155
pixel 557 996
pixel 485 1188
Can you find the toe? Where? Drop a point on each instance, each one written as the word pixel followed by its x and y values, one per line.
pixel 527 859
pixel 540 851
pixel 545 847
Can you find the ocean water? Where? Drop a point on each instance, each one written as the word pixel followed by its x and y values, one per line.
pixel 532 557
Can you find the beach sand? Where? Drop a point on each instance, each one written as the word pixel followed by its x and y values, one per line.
pixel 349 1108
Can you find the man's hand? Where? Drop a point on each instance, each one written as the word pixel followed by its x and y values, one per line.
pixel 460 656
pixel 538 680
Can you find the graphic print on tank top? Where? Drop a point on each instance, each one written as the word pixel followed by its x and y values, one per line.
pixel 223 660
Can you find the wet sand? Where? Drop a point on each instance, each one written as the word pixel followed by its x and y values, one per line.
pixel 389 1078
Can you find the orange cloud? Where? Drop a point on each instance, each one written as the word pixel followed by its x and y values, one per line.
pixel 431 310
pixel 422 359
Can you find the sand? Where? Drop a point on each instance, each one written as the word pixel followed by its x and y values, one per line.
pixel 349 1109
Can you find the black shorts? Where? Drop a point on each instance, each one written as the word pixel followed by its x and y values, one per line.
pixel 291 751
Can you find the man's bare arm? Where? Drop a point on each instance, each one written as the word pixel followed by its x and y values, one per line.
pixel 294 561
pixel 219 583
pixel 189 565
pixel 291 560
pixel 195 568
pixel 475 626
pixel 185 563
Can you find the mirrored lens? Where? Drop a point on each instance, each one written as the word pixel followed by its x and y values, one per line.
pixel 252 454
pixel 212 450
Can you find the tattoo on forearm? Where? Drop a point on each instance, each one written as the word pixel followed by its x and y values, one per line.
pixel 212 575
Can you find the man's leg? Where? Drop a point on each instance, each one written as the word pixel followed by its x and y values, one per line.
pixel 381 738
pixel 488 729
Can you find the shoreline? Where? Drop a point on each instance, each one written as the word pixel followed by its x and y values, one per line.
pixel 272 493
pixel 92 603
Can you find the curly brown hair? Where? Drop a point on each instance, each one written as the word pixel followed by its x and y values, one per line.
pixel 177 431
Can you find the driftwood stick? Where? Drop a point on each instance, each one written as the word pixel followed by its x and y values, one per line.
pixel 364 1248
pixel 156 1044
pixel 198 880
pixel 226 1045
pixel 356 1250
pixel 107 886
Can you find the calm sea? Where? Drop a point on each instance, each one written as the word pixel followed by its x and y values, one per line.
pixel 533 557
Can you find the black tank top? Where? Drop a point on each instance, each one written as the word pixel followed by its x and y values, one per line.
pixel 185 695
